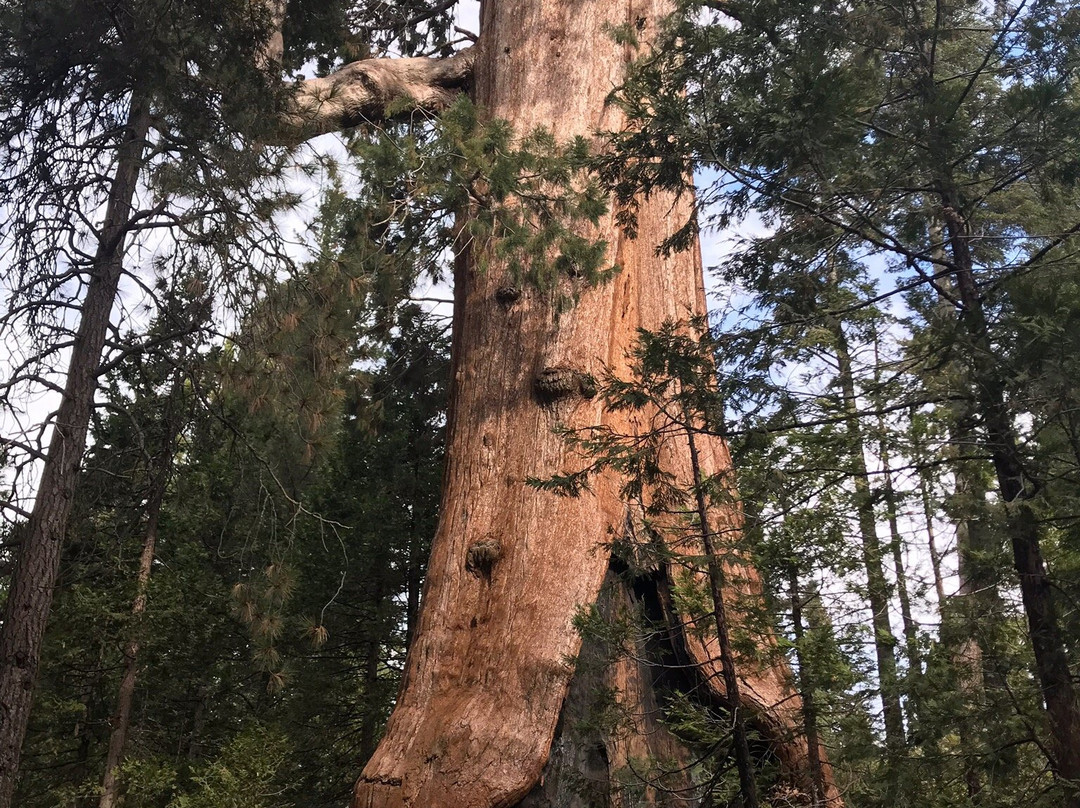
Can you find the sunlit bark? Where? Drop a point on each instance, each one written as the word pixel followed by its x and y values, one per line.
pixel 491 662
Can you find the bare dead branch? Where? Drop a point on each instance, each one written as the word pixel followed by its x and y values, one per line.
pixel 371 90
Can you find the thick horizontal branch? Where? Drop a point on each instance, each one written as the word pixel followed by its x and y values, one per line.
pixel 371 90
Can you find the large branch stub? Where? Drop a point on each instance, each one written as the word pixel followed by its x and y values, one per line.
pixel 371 90
pixel 508 295
pixel 562 381
pixel 482 556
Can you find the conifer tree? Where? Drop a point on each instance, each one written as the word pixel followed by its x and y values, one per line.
pixel 937 138
pixel 98 100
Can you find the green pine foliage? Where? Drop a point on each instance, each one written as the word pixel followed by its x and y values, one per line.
pixel 533 203
pixel 269 627
pixel 875 144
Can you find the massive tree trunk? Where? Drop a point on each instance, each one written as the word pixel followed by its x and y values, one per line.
pixel 491 663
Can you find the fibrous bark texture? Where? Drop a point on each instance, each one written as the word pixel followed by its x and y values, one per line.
pixel 491 663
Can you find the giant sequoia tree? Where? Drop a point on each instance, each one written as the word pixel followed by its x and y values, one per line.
pixel 940 138
pixel 488 673
pixel 490 668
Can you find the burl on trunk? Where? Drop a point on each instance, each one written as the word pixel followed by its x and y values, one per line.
pixel 491 664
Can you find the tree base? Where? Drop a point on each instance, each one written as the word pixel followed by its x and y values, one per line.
pixel 613 746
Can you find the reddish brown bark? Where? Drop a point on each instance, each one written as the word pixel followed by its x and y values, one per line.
pixel 488 671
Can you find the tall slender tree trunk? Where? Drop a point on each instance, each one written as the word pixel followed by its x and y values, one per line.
pixel 820 773
pixel 806 692
pixel 1016 490
pixel 918 459
pixel 976 596
pixel 30 597
pixel 976 599
pixel 896 539
pixel 490 664
pixel 896 546
pixel 931 541
pixel 160 472
pixel 877 585
pixel 747 782
pixel 121 721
